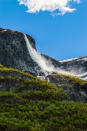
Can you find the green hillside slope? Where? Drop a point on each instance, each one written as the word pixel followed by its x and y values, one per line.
pixel 30 104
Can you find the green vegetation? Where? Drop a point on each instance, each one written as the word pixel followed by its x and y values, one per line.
pixel 73 79
pixel 41 115
pixel 11 70
pixel 36 105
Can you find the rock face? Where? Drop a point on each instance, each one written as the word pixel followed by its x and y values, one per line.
pixel 73 86
pixel 52 61
pixel 14 53
pixel 78 65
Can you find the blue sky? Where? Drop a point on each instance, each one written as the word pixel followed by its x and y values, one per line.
pixel 61 37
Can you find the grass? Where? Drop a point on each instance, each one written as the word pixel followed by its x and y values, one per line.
pixel 9 70
pixel 37 105
pixel 44 116
pixel 74 79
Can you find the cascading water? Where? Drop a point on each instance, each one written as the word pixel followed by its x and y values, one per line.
pixel 45 65
pixel 40 60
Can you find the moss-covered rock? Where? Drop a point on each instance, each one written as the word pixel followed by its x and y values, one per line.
pixel 75 87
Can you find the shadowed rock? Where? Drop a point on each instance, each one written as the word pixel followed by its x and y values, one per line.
pixel 14 53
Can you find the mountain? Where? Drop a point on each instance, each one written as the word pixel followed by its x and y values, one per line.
pixel 14 53
pixel 27 103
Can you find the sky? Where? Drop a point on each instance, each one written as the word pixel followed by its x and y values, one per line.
pixel 58 27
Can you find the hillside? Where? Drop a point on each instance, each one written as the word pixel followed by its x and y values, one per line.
pixel 27 103
pixel 30 104
pixel 75 87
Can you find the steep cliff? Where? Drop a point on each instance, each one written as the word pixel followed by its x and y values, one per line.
pixel 14 53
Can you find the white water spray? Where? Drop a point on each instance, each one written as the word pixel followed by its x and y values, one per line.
pixel 46 66
pixel 40 60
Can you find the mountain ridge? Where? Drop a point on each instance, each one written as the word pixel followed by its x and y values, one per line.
pixel 14 53
pixel 27 103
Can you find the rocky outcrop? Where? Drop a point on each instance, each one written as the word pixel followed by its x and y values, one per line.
pixel 75 87
pixel 14 53
pixel 76 64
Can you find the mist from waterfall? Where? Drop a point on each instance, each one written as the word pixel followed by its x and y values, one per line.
pixel 45 65
pixel 40 60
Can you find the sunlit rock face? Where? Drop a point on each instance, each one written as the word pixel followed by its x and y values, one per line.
pixel 76 65
pixel 80 64
pixel 14 53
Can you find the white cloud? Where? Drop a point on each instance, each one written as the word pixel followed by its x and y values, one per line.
pixel 62 6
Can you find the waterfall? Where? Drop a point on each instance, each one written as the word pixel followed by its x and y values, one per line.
pixel 46 66
pixel 39 59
